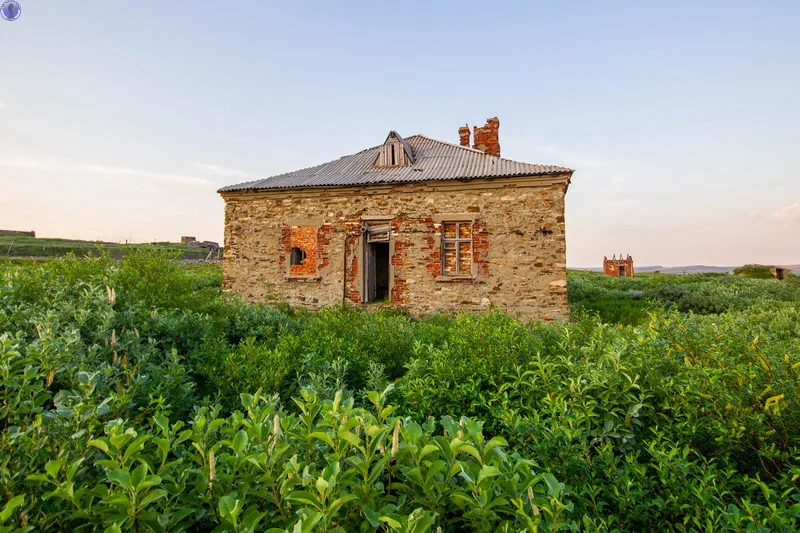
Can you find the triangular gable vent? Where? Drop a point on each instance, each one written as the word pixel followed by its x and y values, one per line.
pixel 395 152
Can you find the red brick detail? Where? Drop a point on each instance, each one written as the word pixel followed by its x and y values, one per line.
pixel 611 267
pixel 351 290
pixel 323 240
pixel 304 238
pixel 398 262
pixel 463 135
pixel 487 138
pixel 313 241
pixel 480 247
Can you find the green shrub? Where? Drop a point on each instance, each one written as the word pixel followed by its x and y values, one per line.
pixel 753 271
pixel 667 402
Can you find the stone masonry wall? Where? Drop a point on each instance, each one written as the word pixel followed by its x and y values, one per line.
pixel 611 266
pixel 518 254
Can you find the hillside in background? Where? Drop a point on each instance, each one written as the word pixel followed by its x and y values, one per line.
pixel 689 269
pixel 16 246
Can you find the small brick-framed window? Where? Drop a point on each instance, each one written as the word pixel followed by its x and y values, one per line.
pixel 457 248
pixel 302 253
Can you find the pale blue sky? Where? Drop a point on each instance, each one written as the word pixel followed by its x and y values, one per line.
pixel 682 119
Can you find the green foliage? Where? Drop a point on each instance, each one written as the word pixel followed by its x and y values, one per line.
pixel 135 397
pixel 753 271
pixel 630 300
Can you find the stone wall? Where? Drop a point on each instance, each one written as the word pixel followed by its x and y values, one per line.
pixel 517 260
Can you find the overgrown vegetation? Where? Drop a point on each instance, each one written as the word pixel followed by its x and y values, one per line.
pixel 136 398
pixel 630 300
pixel 23 247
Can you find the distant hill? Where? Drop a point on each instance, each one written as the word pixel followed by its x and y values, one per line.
pixel 689 269
pixel 14 245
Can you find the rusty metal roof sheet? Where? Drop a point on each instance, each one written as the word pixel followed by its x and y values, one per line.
pixel 433 161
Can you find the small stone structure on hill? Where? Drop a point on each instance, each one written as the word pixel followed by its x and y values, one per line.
pixel 618 267
pixel 778 272
pixel 15 233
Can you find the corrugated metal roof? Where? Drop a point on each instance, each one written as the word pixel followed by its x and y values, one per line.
pixel 433 161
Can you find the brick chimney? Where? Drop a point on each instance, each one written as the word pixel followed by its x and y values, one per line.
pixel 486 138
pixel 463 134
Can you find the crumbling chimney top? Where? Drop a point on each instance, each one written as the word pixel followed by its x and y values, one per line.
pixel 487 137
pixel 463 135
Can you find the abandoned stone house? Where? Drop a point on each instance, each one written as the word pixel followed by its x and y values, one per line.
pixel 618 267
pixel 415 223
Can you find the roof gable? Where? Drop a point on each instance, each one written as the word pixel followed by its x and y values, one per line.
pixel 395 152
pixel 430 160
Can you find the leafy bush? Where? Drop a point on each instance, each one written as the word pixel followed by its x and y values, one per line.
pixel 753 271
pixel 131 404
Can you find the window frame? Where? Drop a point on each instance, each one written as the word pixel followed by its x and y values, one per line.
pixel 457 240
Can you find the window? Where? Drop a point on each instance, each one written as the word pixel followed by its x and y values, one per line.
pixel 297 256
pixel 302 254
pixel 457 248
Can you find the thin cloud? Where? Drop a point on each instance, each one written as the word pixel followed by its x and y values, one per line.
pixel 788 215
pixel 238 140
pixel 102 170
pixel 222 171
pixel 601 201
pixel 2 104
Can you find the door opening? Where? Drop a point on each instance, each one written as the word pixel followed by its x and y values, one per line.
pixel 622 270
pixel 377 272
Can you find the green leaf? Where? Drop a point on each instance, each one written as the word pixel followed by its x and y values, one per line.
pixel 152 496
pixel 413 432
pixel 350 437
pixel 324 437
pixel 393 521
pixel 100 444
pixel 251 520
pixel 53 467
pixel 239 442
pixel 306 525
pixel 338 502
pixel 488 471
pixel 138 475
pixel 12 504
pixel 553 486
pixel 121 477
pixel 229 508
pixel 304 497
pixel 428 448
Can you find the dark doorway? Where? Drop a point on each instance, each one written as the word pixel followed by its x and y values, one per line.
pixel 622 270
pixel 377 272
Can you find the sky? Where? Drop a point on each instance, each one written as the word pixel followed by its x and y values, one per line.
pixel 120 120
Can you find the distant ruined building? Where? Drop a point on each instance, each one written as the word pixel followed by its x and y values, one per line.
pixel 618 267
